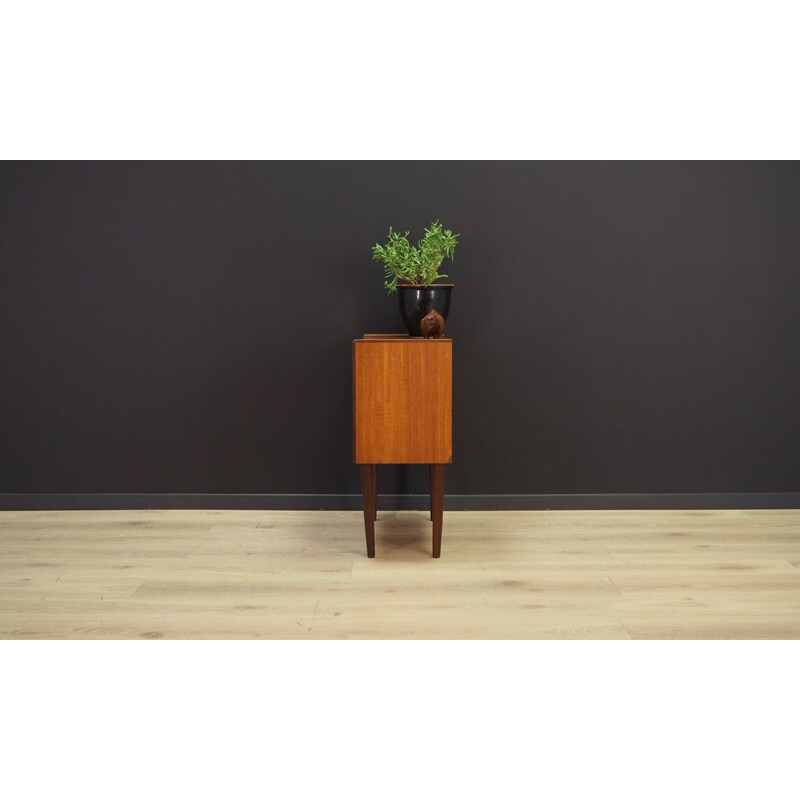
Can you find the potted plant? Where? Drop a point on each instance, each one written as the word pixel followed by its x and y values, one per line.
pixel 411 271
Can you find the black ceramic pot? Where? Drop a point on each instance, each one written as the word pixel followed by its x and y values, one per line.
pixel 417 301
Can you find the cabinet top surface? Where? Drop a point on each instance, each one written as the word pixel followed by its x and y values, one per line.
pixel 396 337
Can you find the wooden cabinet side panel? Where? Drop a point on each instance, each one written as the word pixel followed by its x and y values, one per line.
pixel 402 401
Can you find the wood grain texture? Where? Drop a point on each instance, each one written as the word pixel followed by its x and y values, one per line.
pixel 402 401
pixel 303 574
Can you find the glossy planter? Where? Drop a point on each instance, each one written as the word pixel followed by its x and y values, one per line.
pixel 417 301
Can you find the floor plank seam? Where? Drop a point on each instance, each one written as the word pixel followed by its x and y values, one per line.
pixel 616 587
pixel 315 615
pixel 609 553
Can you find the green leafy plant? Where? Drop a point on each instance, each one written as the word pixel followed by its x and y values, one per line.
pixel 404 263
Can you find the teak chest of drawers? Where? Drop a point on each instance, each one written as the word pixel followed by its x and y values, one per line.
pixel 402 414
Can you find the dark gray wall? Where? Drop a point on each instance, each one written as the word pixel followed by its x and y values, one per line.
pixel 186 327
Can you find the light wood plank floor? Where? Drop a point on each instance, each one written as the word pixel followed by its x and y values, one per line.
pixel 305 575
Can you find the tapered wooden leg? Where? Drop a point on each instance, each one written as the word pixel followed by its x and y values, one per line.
pixel 375 489
pixel 437 506
pixel 368 483
pixel 430 483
